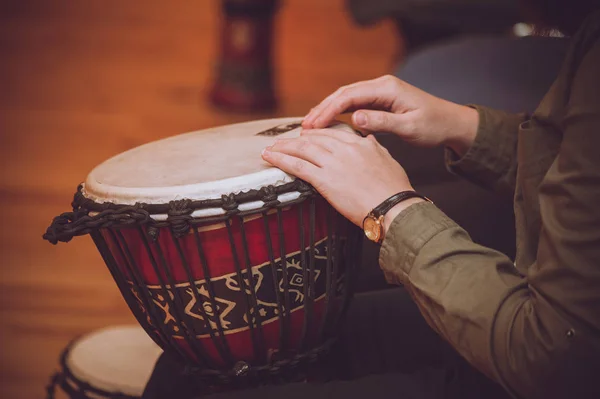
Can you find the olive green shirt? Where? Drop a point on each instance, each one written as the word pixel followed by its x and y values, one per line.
pixel 532 325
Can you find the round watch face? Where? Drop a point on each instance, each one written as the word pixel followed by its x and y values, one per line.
pixel 372 229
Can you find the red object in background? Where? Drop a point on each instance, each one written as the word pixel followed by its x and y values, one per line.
pixel 244 74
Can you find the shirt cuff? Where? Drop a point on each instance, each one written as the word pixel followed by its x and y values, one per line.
pixel 408 233
pixel 493 150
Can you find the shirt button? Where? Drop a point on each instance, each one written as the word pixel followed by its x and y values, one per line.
pixel 570 333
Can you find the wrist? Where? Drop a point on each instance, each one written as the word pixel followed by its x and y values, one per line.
pixel 462 136
pixel 396 210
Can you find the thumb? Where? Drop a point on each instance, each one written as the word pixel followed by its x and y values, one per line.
pixel 377 121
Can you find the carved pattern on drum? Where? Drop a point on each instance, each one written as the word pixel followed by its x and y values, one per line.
pixel 296 280
pixel 230 298
pixel 164 306
pixel 136 295
pixel 224 307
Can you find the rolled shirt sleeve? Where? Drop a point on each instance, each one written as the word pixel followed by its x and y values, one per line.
pixel 490 162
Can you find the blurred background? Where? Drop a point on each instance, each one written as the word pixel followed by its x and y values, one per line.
pixel 81 81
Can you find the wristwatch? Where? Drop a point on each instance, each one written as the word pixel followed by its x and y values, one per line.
pixel 373 222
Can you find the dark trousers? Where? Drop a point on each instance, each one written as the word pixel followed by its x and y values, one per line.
pixel 387 350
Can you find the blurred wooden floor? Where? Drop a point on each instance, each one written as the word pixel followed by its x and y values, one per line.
pixel 83 80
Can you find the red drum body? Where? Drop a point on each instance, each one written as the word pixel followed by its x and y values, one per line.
pixel 249 284
pixel 207 256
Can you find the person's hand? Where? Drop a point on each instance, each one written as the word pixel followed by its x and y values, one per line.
pixel 353 173
pixel 387 104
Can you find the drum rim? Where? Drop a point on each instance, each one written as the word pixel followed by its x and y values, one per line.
pixel 269 195
pixel 89 216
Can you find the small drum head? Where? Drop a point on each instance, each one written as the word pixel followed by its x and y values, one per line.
pixel 111 360
pixel 198 165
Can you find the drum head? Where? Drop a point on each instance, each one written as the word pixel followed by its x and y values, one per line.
pixel 199 165
pixel 114 359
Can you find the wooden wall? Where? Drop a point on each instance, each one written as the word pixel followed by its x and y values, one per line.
pixel 83 80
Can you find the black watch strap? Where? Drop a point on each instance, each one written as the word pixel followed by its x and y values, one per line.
pixel 394 200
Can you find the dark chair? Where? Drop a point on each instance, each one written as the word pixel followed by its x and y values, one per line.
pixel 422 23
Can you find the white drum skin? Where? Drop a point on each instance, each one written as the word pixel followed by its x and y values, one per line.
pixel 198 165
pixel 117 359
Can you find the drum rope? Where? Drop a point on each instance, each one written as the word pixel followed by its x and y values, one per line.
pixel 222 345
pixel 223 350
pixel 286 370
pixel 52 384
pixel 88 215
pixel 286 325
pixel 254 316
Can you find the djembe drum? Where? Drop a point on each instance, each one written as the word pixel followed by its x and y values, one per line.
pixel 244 79
pixel 237 268
pixel 110 363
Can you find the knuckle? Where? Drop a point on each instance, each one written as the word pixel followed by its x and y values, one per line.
pixel 390 81
pixel 272 154
pixel 382 119
pixel 344 92
pixel 410 126
pixel 302 145
pixel 340 91
pixel 354 148
pixel 396 85
pixel 298 165
pixel 314 142
pixel 371 142
pixel 393 82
